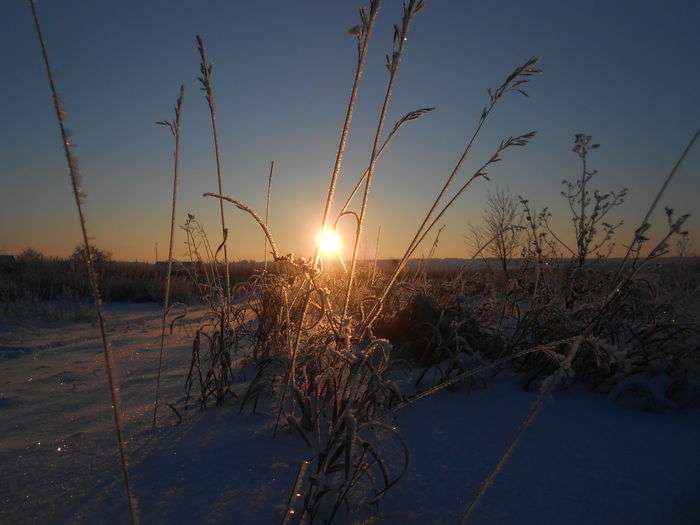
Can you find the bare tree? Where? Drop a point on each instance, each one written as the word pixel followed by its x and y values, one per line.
pixel 502 227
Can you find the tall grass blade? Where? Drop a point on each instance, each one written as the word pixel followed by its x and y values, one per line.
pixel 174 127
pixel 267 211
pixel 78 195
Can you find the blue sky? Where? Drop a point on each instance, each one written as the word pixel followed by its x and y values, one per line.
pixel 626 72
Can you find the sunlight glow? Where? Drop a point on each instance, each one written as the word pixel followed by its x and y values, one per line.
pixel 328 242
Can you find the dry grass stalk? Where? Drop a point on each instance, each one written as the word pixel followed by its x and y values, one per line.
pixel 639 233
pixel 250 211
pixel 174 127
pixel 421 273
pixel 535 242
pixel 515 82
pixel 621 282
pixel 428 224
pixel 295 494
pixel 376 255
pixel 393 62
pixel 408 117
pixel 205 80
pixel 78 195
pixel 534 411
pixel 471 373
pixel 267 211
pixel 363 33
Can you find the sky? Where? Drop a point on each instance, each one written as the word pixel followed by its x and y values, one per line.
pixel 626 72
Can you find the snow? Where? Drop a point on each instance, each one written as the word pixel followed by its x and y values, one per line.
pixel 586 459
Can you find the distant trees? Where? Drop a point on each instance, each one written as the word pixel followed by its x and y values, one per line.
pixel 30 255
pixel 502 220
pixel 499 236
pixel 99 257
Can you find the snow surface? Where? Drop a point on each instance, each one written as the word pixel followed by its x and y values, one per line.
pixel 584 460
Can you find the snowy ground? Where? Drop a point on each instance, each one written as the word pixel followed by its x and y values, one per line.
pixel 585 460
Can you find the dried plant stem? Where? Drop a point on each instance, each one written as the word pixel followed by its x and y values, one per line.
pixel 365 32
pixel 486 484
pixel 359 182
pixel 534 411
pixel 470 373
pixel 424 230
pixel 400 37
pixel 580 241
pixel 267 211
pixel 655 202
pixel 363 45
pixel 413 115
pixel 295 494
pixel 558 239
pixel 480 249
pixel 513 82
pixel 420 270
pixel 376 255
pixel 618 282
pixel 174 127
pixel 92 276
pixel 244 207
pixel 208 88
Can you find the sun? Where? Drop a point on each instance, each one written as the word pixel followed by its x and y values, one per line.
pixel 328 242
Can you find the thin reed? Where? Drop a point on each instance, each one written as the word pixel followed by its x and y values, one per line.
pixel 78 195
pixel 400 37
pixel 206 71
pixel 363 33
pixel 174 127
pixel 268 195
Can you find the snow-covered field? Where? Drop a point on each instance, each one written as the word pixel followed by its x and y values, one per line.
pixel 585 459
